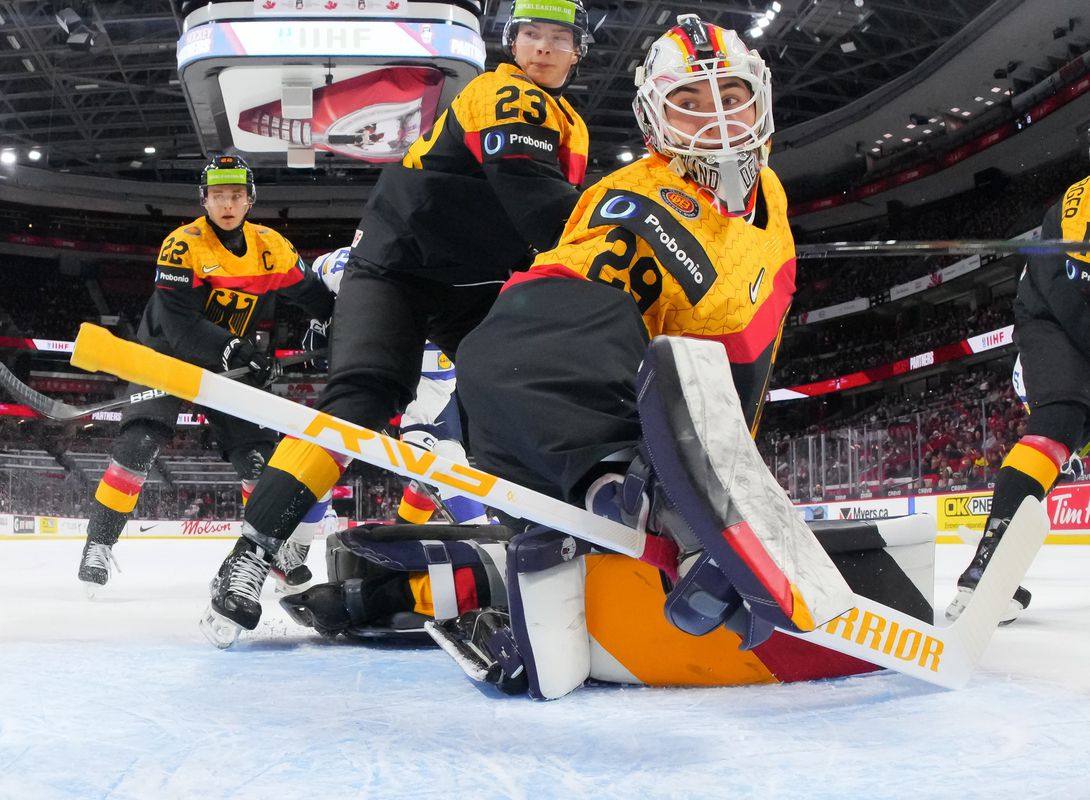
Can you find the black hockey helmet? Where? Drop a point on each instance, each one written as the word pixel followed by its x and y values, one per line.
pixel 569 13
pixel 225 170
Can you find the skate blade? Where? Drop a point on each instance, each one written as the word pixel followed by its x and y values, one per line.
pixel 90 589
pixel 219 630
pixel 281 587
pixel 961 600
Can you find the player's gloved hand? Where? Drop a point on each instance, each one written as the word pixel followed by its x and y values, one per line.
pixel 241 353
pixel 317 338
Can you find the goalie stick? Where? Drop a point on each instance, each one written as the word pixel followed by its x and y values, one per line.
pixel 967 247
pixel 872 632
pixel 63 412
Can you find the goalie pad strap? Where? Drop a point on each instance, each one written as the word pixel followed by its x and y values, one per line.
pixel 444 595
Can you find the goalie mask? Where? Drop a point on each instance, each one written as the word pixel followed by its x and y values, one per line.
pixel 228 171
pixel 704 101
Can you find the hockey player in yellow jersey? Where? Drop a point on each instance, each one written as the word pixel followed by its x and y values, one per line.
pixel 493 181
pixel 216 280
pixel 692 242
pixel 690 249
pixel 1052 331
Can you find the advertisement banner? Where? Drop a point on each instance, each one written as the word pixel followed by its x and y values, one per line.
pixel 832 312
pixel 5 525
pixel 48 525
pixel 970 510
pixel 869 509
pixel 186 528
pixel 1069 508
pixel 956 270
pixel 23 525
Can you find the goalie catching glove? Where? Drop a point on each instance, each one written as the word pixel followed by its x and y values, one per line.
pixel 241 353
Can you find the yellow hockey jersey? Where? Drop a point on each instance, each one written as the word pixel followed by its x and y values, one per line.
pixel 691 270
pixel 205 295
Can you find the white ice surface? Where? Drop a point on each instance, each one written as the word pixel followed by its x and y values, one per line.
pixel 121 697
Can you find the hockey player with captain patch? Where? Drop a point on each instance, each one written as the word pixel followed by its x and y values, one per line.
pixel 215 281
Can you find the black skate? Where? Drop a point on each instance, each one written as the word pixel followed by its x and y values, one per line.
pixel 290 567
pixel 236 594
pixel 482 644
pixel 349 607
pixel 322 607
pixel 96 565
pixel 973 573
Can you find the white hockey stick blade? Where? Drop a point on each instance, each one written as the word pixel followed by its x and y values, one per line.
pixel 98 350
pixel 945 656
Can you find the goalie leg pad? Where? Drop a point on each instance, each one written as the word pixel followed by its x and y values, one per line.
pixel 697 442
pixel 546 591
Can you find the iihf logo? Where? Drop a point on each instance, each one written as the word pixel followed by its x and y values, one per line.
pixel 493 142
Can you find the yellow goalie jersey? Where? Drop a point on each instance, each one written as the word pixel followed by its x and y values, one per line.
pixel 691 270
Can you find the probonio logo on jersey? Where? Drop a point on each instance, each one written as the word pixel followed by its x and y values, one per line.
pixel 675 247
pixel 170 278
pixel 520 140
pixel 618 207
pixel 680 202
pixel 493 142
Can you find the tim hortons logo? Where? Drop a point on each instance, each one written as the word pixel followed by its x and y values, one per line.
pixel 204 527
pixel 888 637
pixel 1065 514
pixel 402 456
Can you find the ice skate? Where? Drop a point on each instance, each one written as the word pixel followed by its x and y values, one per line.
pixel 290 569
pixel 95 566
pixel 972 574
pixel 236 594
pixel 323 607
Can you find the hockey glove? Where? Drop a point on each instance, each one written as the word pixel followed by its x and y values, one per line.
pixel 317 338
pixel 241 353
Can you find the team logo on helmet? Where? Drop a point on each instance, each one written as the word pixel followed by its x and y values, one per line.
pixel 680 202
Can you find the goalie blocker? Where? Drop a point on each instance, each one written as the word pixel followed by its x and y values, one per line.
pixel 570 616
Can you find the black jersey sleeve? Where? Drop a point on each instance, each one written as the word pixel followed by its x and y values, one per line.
pixel 310 294
pixel 1063 282
pixel 536 197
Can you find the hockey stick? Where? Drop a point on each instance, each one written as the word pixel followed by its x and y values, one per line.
pixel 946 655
pixel 61 411
pixel 950 247
pixel 871 632
pixel 99 350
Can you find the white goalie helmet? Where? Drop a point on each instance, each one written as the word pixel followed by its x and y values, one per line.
pixel 726 153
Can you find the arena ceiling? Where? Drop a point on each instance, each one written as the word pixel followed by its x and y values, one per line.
pixel 93 108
